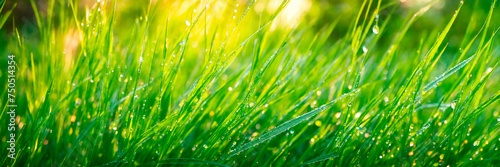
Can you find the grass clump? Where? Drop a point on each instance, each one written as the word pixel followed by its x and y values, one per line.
pixel 253 83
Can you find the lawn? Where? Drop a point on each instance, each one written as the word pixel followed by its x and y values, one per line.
pixel 249 83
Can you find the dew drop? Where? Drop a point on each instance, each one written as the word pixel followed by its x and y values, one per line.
pixel 489 70
pixel 357 115
pixel 375 29
pixel 78 101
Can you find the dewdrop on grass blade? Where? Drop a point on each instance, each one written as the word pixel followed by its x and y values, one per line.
pixel 375 29
pixel 357 115
pixel 489 70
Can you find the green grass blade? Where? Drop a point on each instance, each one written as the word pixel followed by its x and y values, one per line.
pixel 287 125
pixel 446 74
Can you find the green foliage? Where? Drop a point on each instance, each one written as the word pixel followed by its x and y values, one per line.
pixel 239 83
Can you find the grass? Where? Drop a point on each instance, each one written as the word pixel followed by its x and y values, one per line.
pixel 228 83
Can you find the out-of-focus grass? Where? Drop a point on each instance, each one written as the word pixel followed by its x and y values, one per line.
pixel 253 83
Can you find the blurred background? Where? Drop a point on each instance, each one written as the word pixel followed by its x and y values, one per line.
pixel 311 13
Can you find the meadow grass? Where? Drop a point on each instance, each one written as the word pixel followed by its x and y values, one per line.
pixel 216 83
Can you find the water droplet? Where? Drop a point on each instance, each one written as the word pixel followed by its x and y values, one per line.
pixel 337 115
pixel 187 23
pixel 78 101
pixel 318 123
pixel 375 29
pixel 489 70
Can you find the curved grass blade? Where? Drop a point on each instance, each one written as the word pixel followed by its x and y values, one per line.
pixel 478 110
pixel 6 15
pixel 321 158
pixel 287 125
pixel 184 161
pixel 446 74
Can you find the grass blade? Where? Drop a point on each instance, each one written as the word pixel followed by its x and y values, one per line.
pixel 287 125
pixel 446 74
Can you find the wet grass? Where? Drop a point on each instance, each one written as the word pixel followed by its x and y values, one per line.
pixel 216 83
